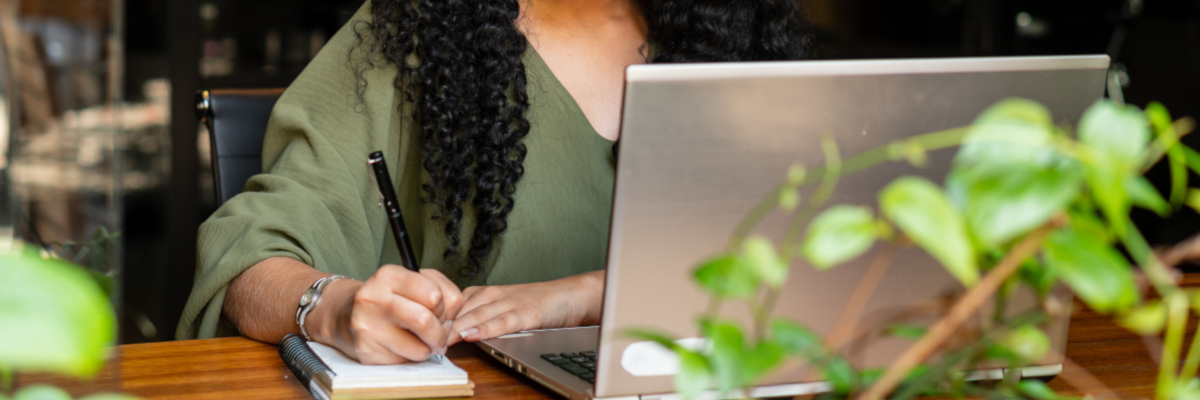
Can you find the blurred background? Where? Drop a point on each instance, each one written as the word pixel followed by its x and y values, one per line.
pixel 99 143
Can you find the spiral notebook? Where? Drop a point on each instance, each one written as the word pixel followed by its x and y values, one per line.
pixel 329 374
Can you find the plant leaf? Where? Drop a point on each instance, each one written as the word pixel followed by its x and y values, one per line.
pixel 1108 189
pixel 789 199
pixel 1026 342
pixel 758 362
pixel 727 276
pixel 1036 389
pixel 728 349
pixel 839 234
pixel 904 331
pixel 662 339
pixel 922 211
pixel 1089 224
pixel 694 374
pixel 1098 274
pixel 1187 391
pixel 55 319
pixel 1143 194
pixel 1001 206
pixel 1013 131
pixel 1147 319
pixel 1120 132
pixel 793 338
pixel 1193 199
pixel 840 374
pixel 41 392
pixel 1036 276
pixel 796 174
pixel 761 258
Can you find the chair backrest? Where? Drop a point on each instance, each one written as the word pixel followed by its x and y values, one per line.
pixel 237 122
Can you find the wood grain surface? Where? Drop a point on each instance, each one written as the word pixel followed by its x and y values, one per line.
pixel 239 368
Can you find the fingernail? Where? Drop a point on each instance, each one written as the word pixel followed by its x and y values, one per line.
pixel 468 332
pixel 446 325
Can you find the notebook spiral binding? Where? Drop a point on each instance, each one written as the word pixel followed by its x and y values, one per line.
pixel 301 359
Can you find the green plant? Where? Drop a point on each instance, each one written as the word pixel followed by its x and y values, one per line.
pixel 1026 203
pixel 93 254
pixel 54 317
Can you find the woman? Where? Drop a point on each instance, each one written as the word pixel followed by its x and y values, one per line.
pixel 499 118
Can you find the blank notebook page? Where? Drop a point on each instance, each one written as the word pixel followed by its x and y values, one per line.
pixel 350 374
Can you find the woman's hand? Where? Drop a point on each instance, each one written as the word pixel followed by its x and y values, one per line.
pixel 396 316
pixel 491 311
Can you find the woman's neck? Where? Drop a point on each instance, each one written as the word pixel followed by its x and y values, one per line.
pixel 579 13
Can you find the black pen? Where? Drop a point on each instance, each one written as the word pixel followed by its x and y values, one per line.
pixel 383 182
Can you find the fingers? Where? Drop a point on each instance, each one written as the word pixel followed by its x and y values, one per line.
pixel 372 353
pixel 402 312
pixel 452 298
pixel 420 321
pixel 384 343
pixel 491 320
pixel 476 296
pixel 503 324
pixel 411 285
pixel 406 310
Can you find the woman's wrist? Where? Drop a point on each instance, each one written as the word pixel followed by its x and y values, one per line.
pixel 591 284
pixel 325 321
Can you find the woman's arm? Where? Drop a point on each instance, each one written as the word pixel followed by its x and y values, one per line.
pixel 491 311
pixel 395 316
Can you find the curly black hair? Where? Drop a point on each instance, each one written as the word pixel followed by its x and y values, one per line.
pixel 460 68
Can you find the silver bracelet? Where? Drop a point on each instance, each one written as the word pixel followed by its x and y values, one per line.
pixel 309 300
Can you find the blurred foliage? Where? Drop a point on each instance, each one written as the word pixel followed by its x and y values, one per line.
pixel 55 317
pixel 1017 180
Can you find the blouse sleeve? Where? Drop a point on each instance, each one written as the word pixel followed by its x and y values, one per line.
pixel 316 201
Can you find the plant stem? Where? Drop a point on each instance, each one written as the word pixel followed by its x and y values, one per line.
pixel 1001 306
pixel 762 313
pixel 1154 154
pixel 1158 274
pixel 843 329
pixel 1188 249
pixel 962 310
pixel 714 306
pixel 1177 316
pixel 1192 363
pixel 833 170
pixel 929 141
pixel 752 219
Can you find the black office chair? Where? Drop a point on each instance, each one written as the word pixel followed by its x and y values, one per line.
pixel 236 121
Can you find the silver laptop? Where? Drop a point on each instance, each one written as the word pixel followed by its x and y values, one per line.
pixel 701 144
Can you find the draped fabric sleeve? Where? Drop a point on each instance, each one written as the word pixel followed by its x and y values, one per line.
pixel 316 201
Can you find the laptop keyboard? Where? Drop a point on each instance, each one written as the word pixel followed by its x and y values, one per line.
pixel 582 364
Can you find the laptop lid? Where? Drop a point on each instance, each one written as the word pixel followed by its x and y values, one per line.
pixel 702 144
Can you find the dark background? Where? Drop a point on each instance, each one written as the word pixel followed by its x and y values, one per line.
pixel 1155 44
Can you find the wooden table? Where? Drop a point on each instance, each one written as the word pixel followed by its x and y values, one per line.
pixel 239 368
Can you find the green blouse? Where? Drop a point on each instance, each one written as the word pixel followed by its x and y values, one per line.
pixel 316 202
